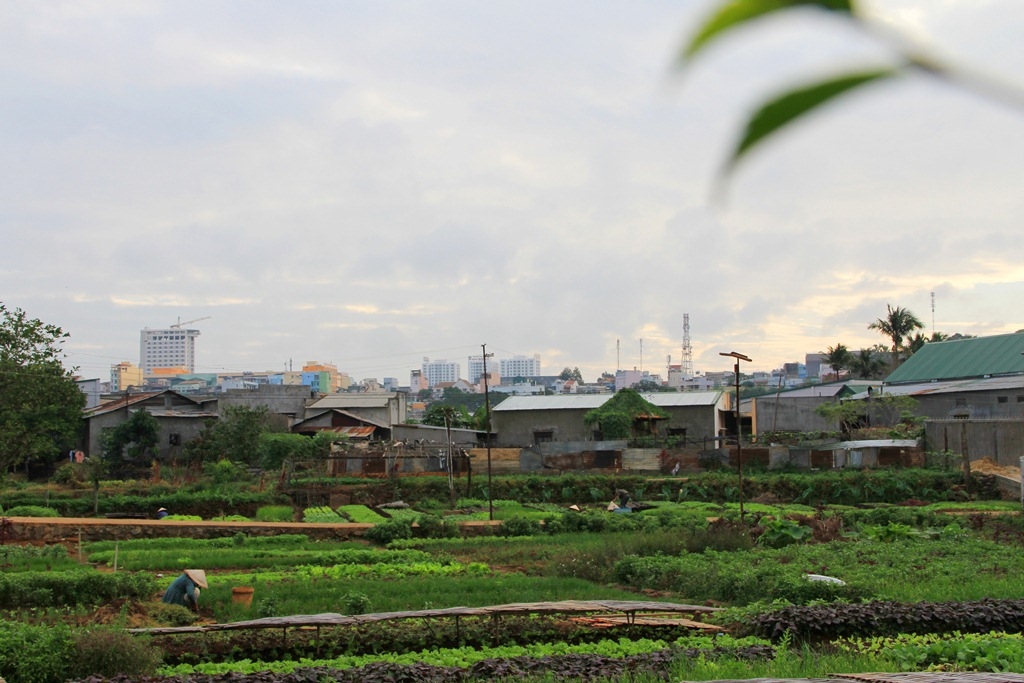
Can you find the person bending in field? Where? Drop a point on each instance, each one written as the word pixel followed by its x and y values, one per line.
pixel 185 589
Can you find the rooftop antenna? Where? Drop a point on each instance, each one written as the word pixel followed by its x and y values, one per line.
pixel 933 314
pixel 617 350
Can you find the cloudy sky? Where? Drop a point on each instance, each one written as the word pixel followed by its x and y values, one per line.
pixel 368 183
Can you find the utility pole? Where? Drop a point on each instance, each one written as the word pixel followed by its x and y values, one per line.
pixel 739 426
pixel 487 424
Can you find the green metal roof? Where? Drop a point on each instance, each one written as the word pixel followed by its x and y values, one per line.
pixel 962 359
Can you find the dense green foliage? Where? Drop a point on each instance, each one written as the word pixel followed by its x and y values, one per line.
pixel 71 587
pixel 130 441
pixel 34 654
pixel 205 503
pixel 40 403
pixel 625 414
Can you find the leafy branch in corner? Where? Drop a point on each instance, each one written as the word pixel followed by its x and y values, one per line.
pixel 789 106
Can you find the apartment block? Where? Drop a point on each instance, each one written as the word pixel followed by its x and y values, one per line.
pixel 124 375
pixel 520 366
pixel 436 371
pixel 171 347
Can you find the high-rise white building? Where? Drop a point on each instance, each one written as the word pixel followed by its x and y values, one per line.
pixel 170 348
pixel 440 371
pixel 520 366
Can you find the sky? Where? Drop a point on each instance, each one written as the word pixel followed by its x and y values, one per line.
pixel 367 183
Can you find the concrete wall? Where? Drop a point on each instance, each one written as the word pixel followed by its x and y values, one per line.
pixel 278 398
pixel 979 404
pixel 519 427
pixel 187 428
pixel 700 422
pixel 790 414
pixel 434 435
pixel 1001 440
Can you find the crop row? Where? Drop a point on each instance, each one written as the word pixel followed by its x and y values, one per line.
pixel 73 587
pixel 462 657
pixel 882 618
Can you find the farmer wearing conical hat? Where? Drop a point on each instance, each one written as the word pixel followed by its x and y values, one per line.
pixel 185 589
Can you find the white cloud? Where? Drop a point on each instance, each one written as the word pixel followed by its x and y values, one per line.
pixel 369 183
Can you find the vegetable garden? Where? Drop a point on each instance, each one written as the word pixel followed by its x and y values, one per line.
pixel 841 572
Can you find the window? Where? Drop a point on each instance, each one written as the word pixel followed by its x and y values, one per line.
pixel 961 403
pixel 1002 399
pixel 544 436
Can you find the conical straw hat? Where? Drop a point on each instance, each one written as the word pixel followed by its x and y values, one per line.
pixel 197 575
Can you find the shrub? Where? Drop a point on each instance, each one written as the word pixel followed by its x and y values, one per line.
pixel 275 513
pixel 356 603
pixel 32 511
pixel 519 526
pixel 183 518
pixel 390 530
pixel 108 652
pixel 266 607
pixel 225 472
pixel 34 654
pixel 433 526
pixel 171 615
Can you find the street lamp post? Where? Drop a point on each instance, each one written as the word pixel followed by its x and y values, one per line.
pixel 487 420
pixel 739 427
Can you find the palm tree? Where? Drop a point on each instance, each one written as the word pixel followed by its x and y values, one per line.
pixel 838 358
pixel 897 325
pixel 866 364
pixel 915 343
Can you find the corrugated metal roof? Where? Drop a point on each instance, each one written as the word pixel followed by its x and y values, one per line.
pixel 339 411
pixel 672 399
pixel 667 399
pixel 963 359
pixel 352 432
pixel 955 386
pixel 559 402
pixel 353 401
pixel 869 443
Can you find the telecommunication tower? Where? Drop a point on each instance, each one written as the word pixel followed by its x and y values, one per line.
pixel 687 365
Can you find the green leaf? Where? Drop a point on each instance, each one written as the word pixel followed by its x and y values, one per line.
pixel 790 106
pixel 734 13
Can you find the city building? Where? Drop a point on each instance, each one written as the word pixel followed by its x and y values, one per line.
pixel 417 381
pixel 476 370
pixel 166 348
pixel 520 366
pixel 335 381
pixel 436 371
pixel 124 375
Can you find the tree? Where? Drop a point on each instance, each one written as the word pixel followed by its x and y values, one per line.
pixel 40 403
pixel 445 415
pixel 234 436
pixel 915 343
pixel 867 364
pixel 897 325
pixel 838 358
pixel 129 441
pixel 567 374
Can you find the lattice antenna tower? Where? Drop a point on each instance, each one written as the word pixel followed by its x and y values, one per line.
pixel 687 365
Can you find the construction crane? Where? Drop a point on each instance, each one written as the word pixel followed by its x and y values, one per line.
pixel 189 322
